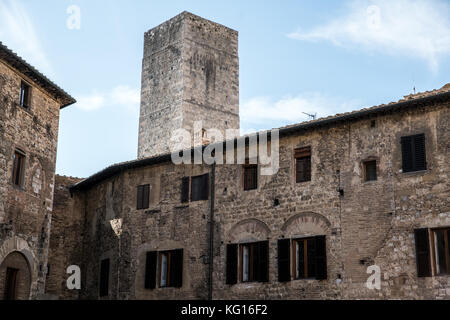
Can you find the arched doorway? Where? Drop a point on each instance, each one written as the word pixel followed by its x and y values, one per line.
pixel 15 277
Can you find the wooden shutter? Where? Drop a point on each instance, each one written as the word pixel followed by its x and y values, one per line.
pixel 407 154
pixel 284 260
pixel 104 278
pixel 250 177
pixel 185 189
pixel 321 257
pixel 422 253
pixel 420 159
pixel 150 270
pixel 303 164
pixel 176 268
pixel 145 196
pixel 300 258
pixel 11 284
pixel 262 261
pixel 414 153
pixel 139 197
pixel 311 257
pixel 204 187
pixel 231 268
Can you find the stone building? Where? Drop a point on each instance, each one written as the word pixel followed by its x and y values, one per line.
pixel 355 192
pixel 29 118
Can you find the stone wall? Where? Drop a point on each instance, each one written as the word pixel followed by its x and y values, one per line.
pixel 26 213
pixel 370 223
pixel 66 232
pixel 190 72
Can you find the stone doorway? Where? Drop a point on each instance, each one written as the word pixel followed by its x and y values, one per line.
pixel 15 277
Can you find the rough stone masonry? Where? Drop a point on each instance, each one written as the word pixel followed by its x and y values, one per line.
pixel 366 188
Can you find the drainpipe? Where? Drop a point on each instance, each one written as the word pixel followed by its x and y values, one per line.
pixel 211 232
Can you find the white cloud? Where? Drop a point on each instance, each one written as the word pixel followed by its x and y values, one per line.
pixel 122 96
pixel 265 113
pixel 19 34
pixel 414 28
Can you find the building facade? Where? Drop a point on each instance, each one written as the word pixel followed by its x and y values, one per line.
pixel 357 194
pixel 29 119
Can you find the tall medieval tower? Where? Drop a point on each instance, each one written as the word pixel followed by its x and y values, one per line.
pixel 190 72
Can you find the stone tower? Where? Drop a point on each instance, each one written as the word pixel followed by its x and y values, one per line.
pixel 190 72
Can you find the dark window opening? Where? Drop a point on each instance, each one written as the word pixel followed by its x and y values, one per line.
pixel 143 197
pixel 250 176
pixel 104 278
pixel 171 268
pixel 18 168
pixel 25 95
pixel 309 259
pixel 252 265
pixel 199 188
pixel 414 153
pixel 370 170
pixel 11 284
pixel 303 164
pixel 441 239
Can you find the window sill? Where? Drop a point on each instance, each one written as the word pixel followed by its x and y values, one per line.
pixel 16 187
pixel 415 173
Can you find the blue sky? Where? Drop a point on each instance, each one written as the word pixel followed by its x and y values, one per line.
pixel 321 57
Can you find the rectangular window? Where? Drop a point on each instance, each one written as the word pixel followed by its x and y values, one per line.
pixel 199 188
pixel 171 269
pixel 250 177
pixel 309 259
pixel 441 239
pixel 25 95
pixel 302 164
pixel 252 265
pixel 143 197
pixel 18 168
pixel 370 170
pixel 11 284
pixel 414 153
pixel 104 278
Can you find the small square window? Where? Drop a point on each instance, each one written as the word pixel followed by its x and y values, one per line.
pixel 370 170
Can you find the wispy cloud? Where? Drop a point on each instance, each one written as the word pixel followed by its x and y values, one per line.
pixel 123 96
pixel 413 28
pixel 19 34
pixel 266 113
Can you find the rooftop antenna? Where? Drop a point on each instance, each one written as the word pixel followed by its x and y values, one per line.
pixel 312 116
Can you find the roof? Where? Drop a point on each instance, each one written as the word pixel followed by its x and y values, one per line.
pixel 11 58
pixel 411 101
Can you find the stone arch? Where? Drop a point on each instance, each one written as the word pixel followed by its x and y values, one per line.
pixel 306 224
pixel 249 230
pixel 13 248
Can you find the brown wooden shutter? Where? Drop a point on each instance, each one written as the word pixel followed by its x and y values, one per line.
pixel 104 278
pixel 422 253
pixel 145 196
pixel 139 197
pixel 261 262
pixel 250 177
pixel 321 257
pixel 303 164
pixel 301 259
pixel 284 260
pixel 185 189
pixel 150 270
pixel 176 268
pixel 231 268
